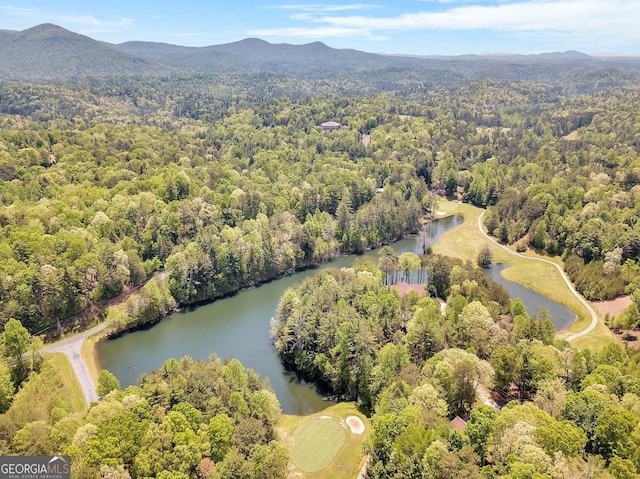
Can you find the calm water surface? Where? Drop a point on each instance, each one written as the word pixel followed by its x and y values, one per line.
pixel 235 327
pixel 238 327
pixel 561 316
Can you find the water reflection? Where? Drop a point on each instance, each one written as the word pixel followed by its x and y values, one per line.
pixel 561 316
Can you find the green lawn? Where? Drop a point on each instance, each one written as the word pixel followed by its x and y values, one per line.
pixel 72 395
pixel 54 387
pixel 321 445
pixel 316 443
pixel 465 241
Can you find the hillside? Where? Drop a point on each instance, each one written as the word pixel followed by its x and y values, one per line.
pixel 255 55
pixel 49 51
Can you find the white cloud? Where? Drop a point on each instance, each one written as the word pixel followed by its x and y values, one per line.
pixel 450 1
pixel 18 11
pixel 530 15
pixel 83 20
pixel 447 1
pixel 301 16
pixel 614 20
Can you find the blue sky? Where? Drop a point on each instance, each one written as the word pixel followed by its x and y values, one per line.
pixel 420 27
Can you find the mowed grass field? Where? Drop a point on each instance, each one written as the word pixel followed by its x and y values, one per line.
pixel 322 446
pixel 90 355
pixel 315 443
pixel 465 241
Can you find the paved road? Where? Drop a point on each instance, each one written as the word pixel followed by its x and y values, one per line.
pixel 594 316
pixel 72 348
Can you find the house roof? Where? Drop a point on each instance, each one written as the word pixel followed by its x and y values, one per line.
pixel 330 124
pixel 405 288
pixel 458 423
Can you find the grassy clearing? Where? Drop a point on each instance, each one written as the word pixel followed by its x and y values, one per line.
pixel 597 339
pixel 55 386
pixel 465 241
pixel 316 443
pixel 573 136
pixel 309 437
pixel 72 391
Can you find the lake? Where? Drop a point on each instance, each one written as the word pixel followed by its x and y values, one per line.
pixel 238 327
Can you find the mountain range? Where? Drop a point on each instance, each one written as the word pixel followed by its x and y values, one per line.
pixel 48 51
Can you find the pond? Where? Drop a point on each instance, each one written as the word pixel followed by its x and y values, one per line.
pixel 561 316
pixel 238 327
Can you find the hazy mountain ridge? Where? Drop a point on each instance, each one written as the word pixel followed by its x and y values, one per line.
pixel 48 51
pixel 253 55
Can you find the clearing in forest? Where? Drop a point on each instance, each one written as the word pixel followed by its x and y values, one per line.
pixel 327 444
pixel 315 443
pixel 466 240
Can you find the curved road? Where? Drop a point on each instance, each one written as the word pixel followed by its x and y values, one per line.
pixel 72 348
pixel 594 316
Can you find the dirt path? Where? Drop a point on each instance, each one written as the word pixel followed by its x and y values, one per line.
pixel 485 397
pixel 594 316
pixel 72 348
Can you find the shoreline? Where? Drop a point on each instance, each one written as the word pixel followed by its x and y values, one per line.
pixel 254 284
pixel 543 275
pixel 89 347
pixel 594 316
pixel 565 327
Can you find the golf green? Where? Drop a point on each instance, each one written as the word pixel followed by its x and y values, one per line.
pixel 316 444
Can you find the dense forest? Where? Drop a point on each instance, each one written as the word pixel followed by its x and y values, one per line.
pixel 186 419
pixel 89 211
pixel 189 187
pixel 572 413
pixel 223 182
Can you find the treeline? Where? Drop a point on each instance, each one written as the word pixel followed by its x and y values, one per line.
pixel 186 419
pixel 565 183
pixel 91 209
pixel 232 182
pixel 558 172
pixel 573 413
pixel 348 332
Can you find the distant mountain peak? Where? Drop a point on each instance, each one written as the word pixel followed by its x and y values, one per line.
pixel 317 44
pixel 249 42
pixel 51 51
pixel 47 30
pixel 573 54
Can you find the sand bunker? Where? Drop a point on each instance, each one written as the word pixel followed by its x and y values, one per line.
pixel 441 213
pixel 355 424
